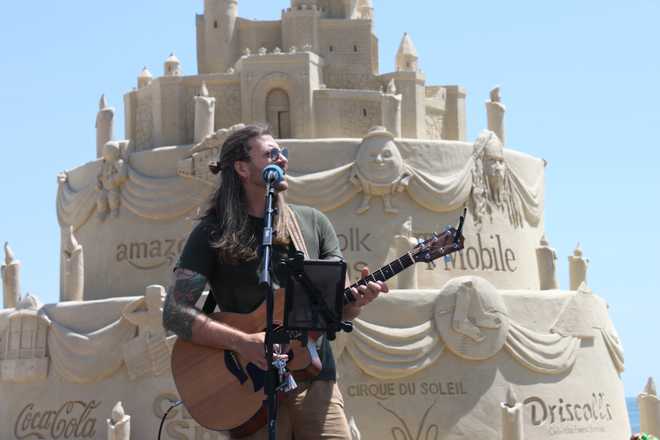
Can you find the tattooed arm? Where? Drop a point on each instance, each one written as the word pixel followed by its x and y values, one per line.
pixel 187 322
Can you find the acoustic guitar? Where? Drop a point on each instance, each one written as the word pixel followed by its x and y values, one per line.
pixel 221 392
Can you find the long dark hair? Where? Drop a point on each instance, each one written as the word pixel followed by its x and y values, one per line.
pixel 227 213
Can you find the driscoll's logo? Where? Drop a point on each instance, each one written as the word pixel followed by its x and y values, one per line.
pixel 596 409
pixel 148 255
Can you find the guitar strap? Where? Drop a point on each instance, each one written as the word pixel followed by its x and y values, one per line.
pixel 291 223
pixel 295 233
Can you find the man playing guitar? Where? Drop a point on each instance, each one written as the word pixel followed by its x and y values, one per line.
pixel 222 251
pixel 212 354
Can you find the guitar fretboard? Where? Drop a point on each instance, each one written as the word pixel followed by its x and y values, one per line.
pixel 383 274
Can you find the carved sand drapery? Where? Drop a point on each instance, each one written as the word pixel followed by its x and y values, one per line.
pixel 380 349
pixel 383 173
pixel 135 339
pixel 391 353
pixel 387 352
pixel 89 357
pixel 155 198
pixel 486 182
pixel 585 315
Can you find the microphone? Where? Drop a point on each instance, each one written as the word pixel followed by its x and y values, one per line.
pixel 272 174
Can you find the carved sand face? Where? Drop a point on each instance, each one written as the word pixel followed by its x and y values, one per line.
pixel 379 160
pixel 495 170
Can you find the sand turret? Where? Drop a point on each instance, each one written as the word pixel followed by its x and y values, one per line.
pixel 145 78
pixel 219 49
pixel 406 56
pixel 172 66
pixel 105 121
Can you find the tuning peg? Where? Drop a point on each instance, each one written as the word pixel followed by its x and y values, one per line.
pixel 431 265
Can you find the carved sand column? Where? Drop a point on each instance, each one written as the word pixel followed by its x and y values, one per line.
pixel 104 125
pixel 73 274
pixel 11 286
pixel 546 259
pixel 204 114
pixel 649 409
pixel 512 417
pixel 495 110
pixel 577 268
pixel 119 425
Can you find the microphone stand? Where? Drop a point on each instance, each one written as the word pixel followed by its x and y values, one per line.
pixel 266 283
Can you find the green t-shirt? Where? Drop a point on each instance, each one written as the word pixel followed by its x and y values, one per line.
pixel 235 287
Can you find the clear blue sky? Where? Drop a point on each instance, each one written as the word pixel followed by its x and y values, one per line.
pixel 580 80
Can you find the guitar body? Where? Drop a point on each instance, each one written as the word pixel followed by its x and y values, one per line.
pixel 221 391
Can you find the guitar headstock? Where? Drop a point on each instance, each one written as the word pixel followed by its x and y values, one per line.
pixel 438 245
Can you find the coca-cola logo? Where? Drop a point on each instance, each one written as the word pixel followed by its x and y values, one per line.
pixel 72 420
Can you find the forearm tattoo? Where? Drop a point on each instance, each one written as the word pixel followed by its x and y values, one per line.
pixel 179 310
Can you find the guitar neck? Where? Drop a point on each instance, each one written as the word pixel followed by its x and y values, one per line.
pixel 383 274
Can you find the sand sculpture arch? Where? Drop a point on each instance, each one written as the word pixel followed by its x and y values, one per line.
pixel 278 83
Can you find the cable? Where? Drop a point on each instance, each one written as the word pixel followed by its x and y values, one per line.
pixel 174 403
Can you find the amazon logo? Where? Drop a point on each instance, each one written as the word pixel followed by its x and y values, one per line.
pixel 149 255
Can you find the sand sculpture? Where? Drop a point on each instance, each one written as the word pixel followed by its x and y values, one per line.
pixel 473 346
pixel 512 417
pixel 577 266
pixel 11 274
pixel 495 111
pixel 547 261
pixel 104 125
pixel 649 409
pixel 73 268
pixel 119 424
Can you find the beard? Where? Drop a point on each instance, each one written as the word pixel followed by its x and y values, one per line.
pixel 282 185
pixel 496 184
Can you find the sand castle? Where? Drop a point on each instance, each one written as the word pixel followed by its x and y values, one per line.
pixel 485 345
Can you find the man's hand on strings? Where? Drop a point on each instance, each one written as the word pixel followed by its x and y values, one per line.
pixel 364 295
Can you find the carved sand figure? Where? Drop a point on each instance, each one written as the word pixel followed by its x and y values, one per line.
pixel 379 170
pixel 73 282
pixel 10 272
pixel 113 174
pixel 149 352
pixel 495 187
pixel 119 424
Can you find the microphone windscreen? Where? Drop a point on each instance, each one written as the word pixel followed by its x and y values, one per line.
pixel 272 174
